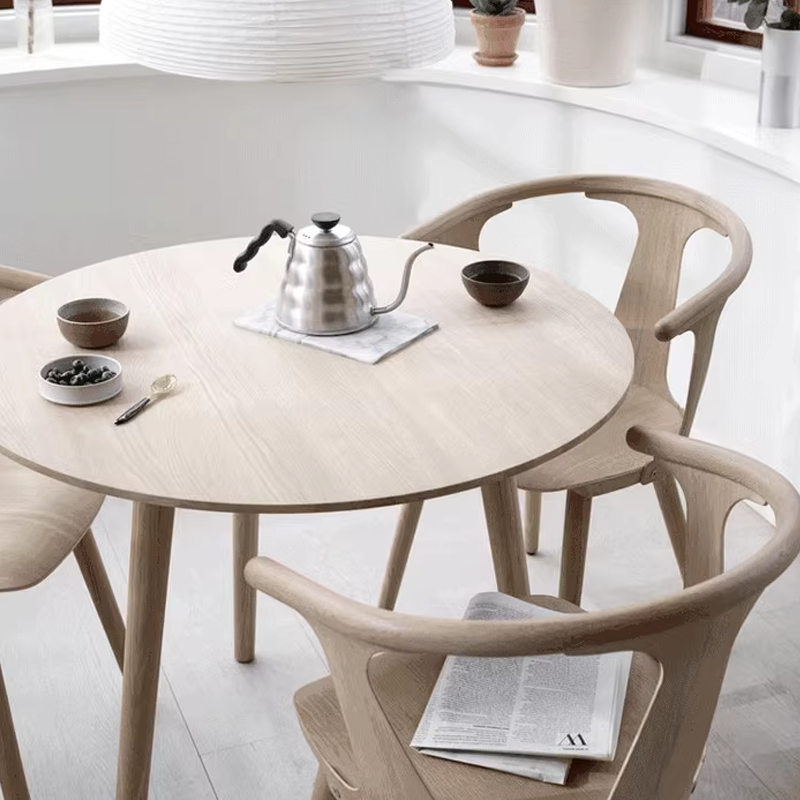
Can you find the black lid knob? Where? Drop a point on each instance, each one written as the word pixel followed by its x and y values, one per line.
pixel 326 221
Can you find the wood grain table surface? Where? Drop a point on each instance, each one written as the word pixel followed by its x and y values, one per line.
pixel 265 425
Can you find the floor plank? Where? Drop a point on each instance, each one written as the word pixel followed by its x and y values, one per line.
pixel 65 691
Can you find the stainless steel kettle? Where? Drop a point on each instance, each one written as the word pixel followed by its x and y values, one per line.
pixel 326 290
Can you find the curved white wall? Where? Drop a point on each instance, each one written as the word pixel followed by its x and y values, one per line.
pixel 96 169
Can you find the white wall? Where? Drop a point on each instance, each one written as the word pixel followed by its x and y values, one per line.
pixel 476 140
pixel 96 169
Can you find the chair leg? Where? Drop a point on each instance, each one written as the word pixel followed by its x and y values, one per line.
pixel 533 516
pixel 672 511
pixel 321 790
pixel 95 577
pixel 245 547
pixel 573 551
pixel 404 534
pixel 12 776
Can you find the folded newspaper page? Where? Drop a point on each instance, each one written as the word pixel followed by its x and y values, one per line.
pixel 554 705
pixel 538 768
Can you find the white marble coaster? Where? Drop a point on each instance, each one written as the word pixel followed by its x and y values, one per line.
pixel 392 332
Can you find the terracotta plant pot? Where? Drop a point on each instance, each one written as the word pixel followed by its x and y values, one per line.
pixel 497 38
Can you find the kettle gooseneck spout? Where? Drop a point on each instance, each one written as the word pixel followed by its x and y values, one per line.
pixel 404 283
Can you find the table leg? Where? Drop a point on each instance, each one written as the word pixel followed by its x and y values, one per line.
pixel 148 574
pixel 12 775
pixel 245 547
pixel 501 505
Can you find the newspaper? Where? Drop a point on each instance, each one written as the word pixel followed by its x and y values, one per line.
pixel 554 705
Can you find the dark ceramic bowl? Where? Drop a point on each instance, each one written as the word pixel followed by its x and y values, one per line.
pixel 93 322
pixel 495 283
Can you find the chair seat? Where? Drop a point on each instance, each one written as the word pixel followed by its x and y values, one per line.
pixel 403 685
pixel 605 458
pixel 41 522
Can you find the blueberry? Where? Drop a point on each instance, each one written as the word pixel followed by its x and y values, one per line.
pixel 78 365
pixel 64 381
pixel 93 374
pixel 105 369
pixel 51 379
pixel 78 380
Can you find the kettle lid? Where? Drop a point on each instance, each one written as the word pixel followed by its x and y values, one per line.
pixel 326 231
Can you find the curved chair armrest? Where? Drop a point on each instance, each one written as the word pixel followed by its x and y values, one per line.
pixel 712 299
pixel 461 226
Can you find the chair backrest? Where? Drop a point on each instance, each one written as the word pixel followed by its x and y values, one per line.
pixel 667 215
pixel 690 634
pixel 13 281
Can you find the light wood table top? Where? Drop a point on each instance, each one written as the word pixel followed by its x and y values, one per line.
pixel 262 425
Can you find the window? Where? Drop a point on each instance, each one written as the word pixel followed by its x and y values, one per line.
pixel 527 5
pixel 724 21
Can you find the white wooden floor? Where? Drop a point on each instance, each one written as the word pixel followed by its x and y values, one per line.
pixel 228 731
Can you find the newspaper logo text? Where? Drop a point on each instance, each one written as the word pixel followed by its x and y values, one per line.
pixel 573 740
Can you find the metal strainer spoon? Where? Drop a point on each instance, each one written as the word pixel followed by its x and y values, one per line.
pixel 159 388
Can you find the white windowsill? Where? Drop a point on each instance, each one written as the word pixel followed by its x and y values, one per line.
pixel 719 116
pixel 64 62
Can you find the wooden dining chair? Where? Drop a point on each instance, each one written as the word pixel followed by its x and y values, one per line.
pixel 42 521
pixel 667 215
pixel 360 720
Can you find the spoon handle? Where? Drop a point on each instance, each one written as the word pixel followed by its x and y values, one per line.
pixel 133 411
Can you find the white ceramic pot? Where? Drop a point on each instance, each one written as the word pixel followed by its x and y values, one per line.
pixel 779 96
pixel 590 42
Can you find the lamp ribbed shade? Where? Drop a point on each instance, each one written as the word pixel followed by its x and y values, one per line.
pixel 282 40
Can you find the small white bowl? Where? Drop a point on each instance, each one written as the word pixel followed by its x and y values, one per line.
pixel 85 395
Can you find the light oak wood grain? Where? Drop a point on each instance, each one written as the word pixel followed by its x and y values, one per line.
pixel 261 425
pixel 501 508
pixel 533 519
pixel 245 547
pixel 12 775
pixel 573 549
pixel 42 521
pixel 96 579
pixel 64 683
pixel 401 549
pixel 667 215
pixel 151 543
pixel 359 725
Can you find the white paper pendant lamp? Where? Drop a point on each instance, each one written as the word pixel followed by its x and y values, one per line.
pixel 281 40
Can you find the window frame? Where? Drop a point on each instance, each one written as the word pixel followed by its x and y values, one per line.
pixel 525 5
pixel 698 13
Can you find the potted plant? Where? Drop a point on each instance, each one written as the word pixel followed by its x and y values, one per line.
pixel 590 42
pixel 779 96
pixel 497 25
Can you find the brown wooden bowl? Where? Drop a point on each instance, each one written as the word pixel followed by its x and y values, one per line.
pixel 495 283
pixel 93 322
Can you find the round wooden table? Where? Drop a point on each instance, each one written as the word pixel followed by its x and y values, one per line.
pixel 261 425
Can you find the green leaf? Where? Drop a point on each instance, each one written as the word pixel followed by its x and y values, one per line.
pixel 756 14
pixel 790 20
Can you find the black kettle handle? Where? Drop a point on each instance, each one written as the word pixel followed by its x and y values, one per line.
pixel 283 229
